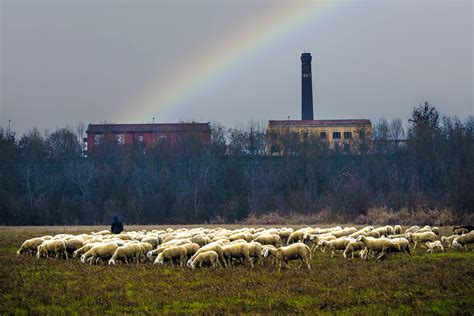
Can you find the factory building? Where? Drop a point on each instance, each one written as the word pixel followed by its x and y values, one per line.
pixel 337 135
pixel 147 135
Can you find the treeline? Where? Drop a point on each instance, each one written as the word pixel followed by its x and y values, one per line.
pixel 45 180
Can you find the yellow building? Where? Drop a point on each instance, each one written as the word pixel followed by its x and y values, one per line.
pixel 345 136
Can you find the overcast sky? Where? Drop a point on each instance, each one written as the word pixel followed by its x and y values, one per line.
pixel 92 60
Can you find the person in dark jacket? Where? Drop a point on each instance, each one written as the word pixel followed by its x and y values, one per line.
pixel 117 226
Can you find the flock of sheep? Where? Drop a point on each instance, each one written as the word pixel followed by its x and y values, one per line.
pixel 217 247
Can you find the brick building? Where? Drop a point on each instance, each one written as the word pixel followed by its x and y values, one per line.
pixel 174 135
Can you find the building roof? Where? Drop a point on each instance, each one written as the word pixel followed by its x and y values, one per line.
pixel 318 123
pixel 148 128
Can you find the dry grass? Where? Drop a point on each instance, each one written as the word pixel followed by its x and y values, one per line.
pixel 425 284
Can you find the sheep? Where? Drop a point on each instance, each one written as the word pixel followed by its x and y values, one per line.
pixel 212 246
pixel 292 252
pixel 255 251
pixel 317 238
pixel 381 246
pixel 207 257
pixel 153 241
pixel 128 251
pixel 154 253
pixel 191 249
pixel 240 250
pixel 435 230
pixel 352 247
pixel 101 233
pixel 285 234
pixel 30 246
pixel 99 252
pixel 403 243
pixel 74 244
pixel 172 253
pixel 449 240
pixel 54 246
pixel 373 233
pixel 421 237
pixel 432 246
pixel 397 230
pixel 464 229
pixel 297 236
pixel 336 244
pixel 269 239
pixel 83 249
pixel 464 240
pixel 200 240
pixel 412 229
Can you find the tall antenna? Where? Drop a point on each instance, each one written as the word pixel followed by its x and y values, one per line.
pixel 153 120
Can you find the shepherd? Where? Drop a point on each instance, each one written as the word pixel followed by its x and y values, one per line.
pixel 117 226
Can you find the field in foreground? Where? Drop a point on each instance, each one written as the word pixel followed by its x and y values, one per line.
pixel 441 283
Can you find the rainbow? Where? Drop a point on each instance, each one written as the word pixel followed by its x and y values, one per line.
pixel 207 69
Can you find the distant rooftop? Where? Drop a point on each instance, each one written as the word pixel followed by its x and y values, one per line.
pixel 316 123
pixel 144 128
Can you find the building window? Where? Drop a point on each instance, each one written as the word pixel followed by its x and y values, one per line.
pixel 362 135
pixel 98 139
pixel 140 138
pixel 162 138
pixel 120 139
pixel 347 135
pixel 347 147
pixel 322 135
pixel 305 136
pixel 336 147
pixel 275 149
pixel 336 135
pixel 363 148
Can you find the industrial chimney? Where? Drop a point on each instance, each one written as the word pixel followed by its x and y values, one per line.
pixel 306 88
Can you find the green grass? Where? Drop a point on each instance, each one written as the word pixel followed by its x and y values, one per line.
pixel 431 284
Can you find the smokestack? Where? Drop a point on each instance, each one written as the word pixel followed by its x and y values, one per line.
pixel 306 88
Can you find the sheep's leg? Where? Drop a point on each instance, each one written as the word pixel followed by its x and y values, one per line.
pixel 307 263
pixel 414 247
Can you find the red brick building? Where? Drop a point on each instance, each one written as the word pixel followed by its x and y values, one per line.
pixel 147 134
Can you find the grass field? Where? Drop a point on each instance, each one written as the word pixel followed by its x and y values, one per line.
pixel 440 284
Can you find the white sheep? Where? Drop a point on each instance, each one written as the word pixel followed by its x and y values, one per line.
pixel 172 253
pixel 207 257
pixel 352 247
pixel 412 229
pixel 397 230
pixel 214 246
pixel 292 252
pixel 432 246
pixel 269 239
pixel 403 243
pixel 449 240
pixel 101 251
pixel 74 244
pixel 129 251
pixel 56 247
pixel 333 245
pixel 30 246
pixel 237 251
pixel 421 237
pixel 380 246
pixel 464 240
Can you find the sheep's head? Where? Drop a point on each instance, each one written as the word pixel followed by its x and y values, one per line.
pixel 189 264
pixel 83 258
pixel 159 259
pixel 456 244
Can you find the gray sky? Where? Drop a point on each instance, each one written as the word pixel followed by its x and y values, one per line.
pixel 93 60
